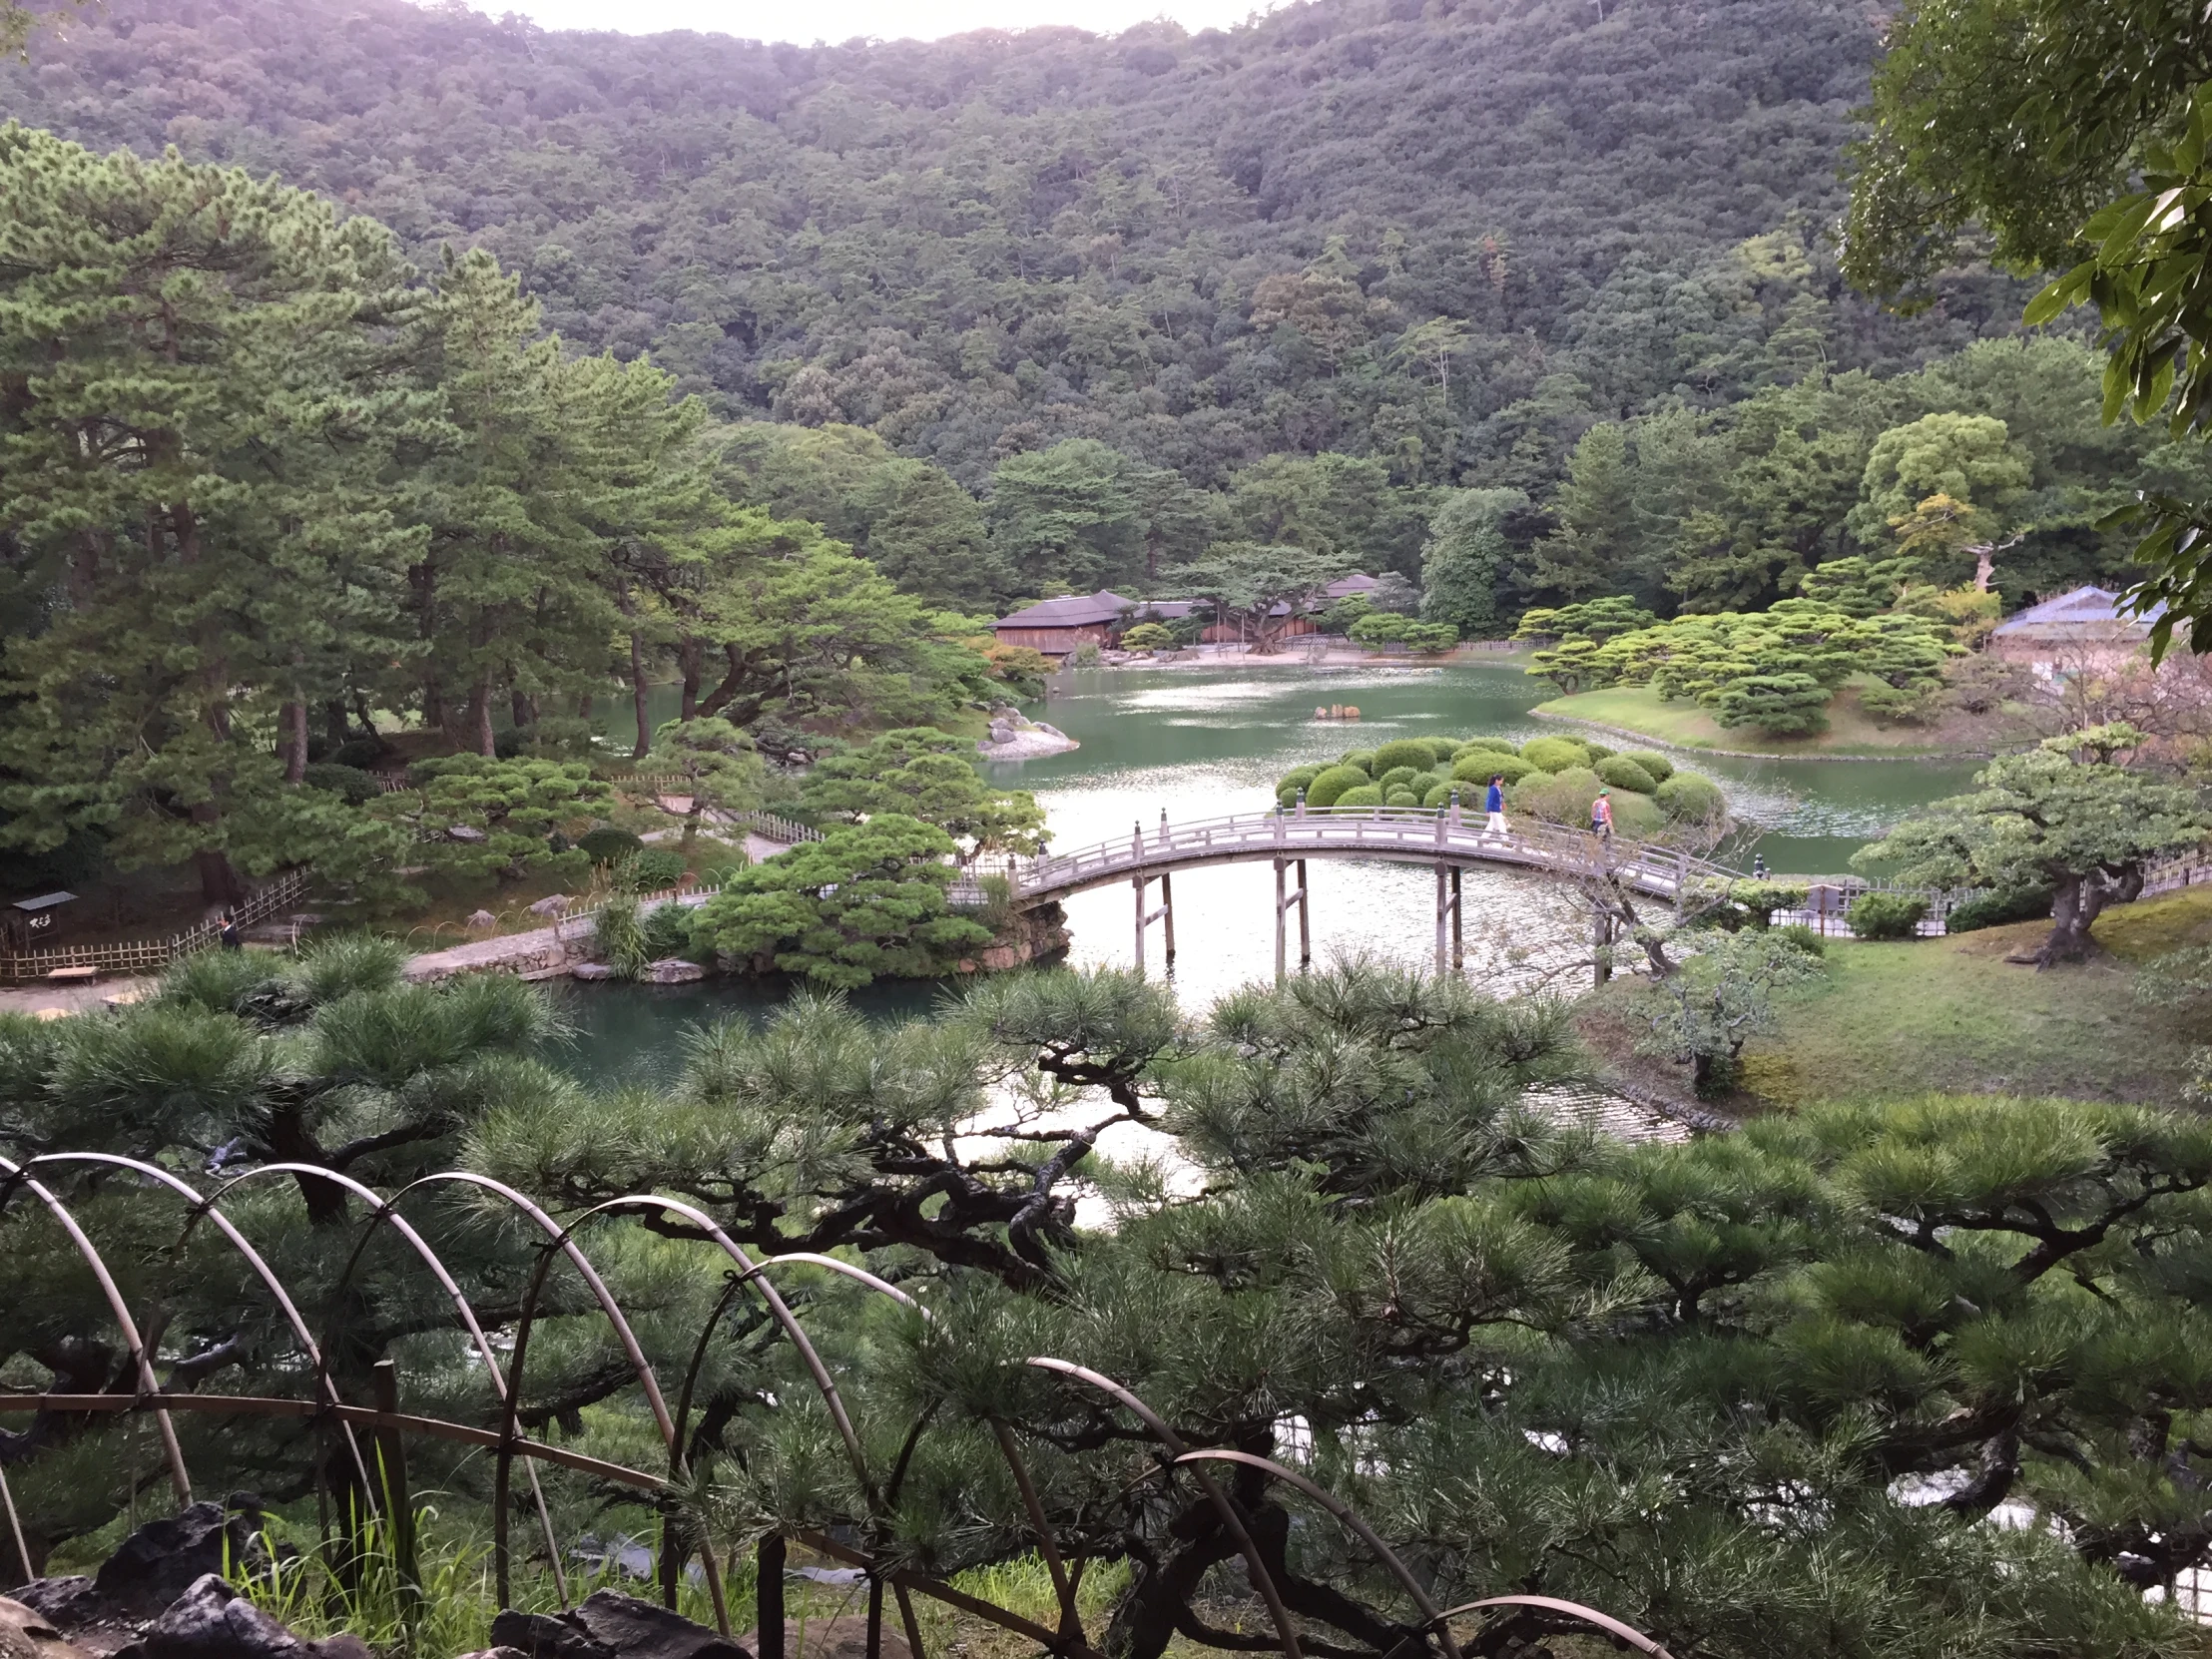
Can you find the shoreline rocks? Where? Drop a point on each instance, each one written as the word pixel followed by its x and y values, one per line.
pixel 1015 737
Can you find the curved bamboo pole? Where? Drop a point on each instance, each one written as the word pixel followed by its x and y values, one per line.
pixel 201 1206
pixel 1431 1615
pixel 1573 1609
pixel 383 1212
pixel 1232 1517
pixel 148 1384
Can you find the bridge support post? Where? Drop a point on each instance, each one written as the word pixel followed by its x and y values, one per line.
pixel 1281 913
pixel 1140 886
pixel 1136 889
pixel 1458 925
pixel 1167 913
pixel 1450 946
pixel 1286 900
pixel 1305 921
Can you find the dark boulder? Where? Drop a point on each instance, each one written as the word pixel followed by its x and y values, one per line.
pixel 164 1558
pixel 609 1625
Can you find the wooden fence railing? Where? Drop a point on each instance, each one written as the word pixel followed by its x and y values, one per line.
pixel 152 956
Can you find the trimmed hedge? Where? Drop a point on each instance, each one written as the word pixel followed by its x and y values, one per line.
pixel 1440 796
pixel 1402 798
pixel 1995 910
pixel 655 869
pixel 1402 752
pixel 1689 798
pixel 1364 795
pixel 1660 767
pixel 1504 746
pixel 1329 784
pixel 1554 753
pixel 351 782
pixel 1364 758
pixel 1397 777
pixel 1886 915
pixel 1477 765
pixel 608 845
pixel 1621 773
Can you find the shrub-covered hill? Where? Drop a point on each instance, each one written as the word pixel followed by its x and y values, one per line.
pixel 1449 236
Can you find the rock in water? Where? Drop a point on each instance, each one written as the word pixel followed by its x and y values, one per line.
pixel 672 970
pixel 591 970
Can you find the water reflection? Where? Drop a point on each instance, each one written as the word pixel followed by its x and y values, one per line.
pixel 1202 743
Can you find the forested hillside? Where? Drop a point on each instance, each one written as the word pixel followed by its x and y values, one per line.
pixel 1445 237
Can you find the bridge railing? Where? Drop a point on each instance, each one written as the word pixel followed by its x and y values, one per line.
pixel 1399 832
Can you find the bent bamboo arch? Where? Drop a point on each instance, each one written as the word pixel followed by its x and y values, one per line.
pixel 558 1240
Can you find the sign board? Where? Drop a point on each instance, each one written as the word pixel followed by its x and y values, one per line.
pixel 39 913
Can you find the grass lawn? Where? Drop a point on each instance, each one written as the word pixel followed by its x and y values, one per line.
pixel 1850 731
pixel 1901 1019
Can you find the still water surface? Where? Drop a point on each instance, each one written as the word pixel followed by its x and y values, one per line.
pixel 1199 742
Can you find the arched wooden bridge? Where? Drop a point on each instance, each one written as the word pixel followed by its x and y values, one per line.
pixel 1444 838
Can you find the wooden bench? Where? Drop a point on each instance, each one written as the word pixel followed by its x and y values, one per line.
pixel 73 973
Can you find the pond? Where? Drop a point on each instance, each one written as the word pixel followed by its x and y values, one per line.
pixel 1202 742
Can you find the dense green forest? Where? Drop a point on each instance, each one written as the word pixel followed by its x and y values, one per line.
pixel 1312 281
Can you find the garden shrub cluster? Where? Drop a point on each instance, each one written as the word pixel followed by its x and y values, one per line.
pixel 1551 777
pixel 1886 915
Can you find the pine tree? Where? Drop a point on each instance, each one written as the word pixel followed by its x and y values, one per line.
pixel 193 443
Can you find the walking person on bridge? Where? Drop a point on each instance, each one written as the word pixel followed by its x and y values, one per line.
pixel 1494 804
pixel 1601 816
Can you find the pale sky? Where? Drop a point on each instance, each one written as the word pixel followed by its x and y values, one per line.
pixel 840 20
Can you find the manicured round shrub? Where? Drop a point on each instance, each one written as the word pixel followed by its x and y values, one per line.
pixel 1476 766
pixel 1329 784
pixel 1396 778
pixel 1554 753
pixel 1439 795
pixel 1402 798
pixel 1504 746
pixel 1621 773
pixel 1565 796
pixel 1364 758
pixel 1364 794
pixel 668 930
pixel 608 845
pixel 1287 786
pixel 1402 752
pixel 365 752
pixel 354 785
pixel 655 869
pixel 1429 779
pixel 1597 750
pixel 1886 915
pixel 1441 752
pixel 1689 798
pixel 1660 767
pixel 1995 910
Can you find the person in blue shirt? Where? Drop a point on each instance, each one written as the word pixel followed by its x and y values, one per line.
pixel 1494 805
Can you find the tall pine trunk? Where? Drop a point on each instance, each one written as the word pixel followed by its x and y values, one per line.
pixel 639 694
pixel 480 719
pixel 687 662
pixel 293 725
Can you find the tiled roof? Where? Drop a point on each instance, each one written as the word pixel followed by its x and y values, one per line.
pixel 2084 608
pixel 1075 611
